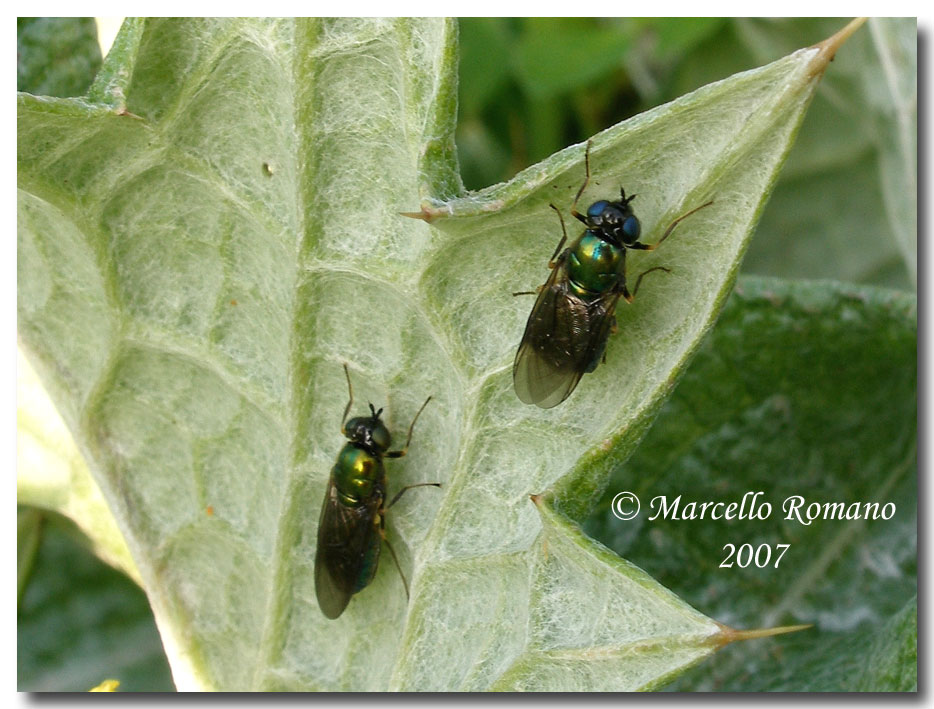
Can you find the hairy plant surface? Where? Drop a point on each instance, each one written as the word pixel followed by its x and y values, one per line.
pixel 215 228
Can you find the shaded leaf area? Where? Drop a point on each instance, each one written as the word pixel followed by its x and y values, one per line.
pixel 51 472
pixel 845 205
pixel 56 56
pixel 81 621
pixel 881 657
pixel 201 248
pixel 28 536
pixel 851 177
pixel 802 389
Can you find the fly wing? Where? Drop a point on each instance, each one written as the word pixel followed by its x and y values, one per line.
pixel 564 338
pixel 602 320
pixel 348 550
pixel 558 346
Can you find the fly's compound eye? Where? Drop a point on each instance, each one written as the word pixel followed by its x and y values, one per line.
pixel 631 229
pixel 356 429
pixel 380 436
pixel 595 211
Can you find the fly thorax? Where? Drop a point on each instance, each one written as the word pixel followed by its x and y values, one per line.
pixel 593 265
pixel 355 474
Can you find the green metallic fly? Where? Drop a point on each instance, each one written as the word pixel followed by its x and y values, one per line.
pixel 566 333
pixel 353 516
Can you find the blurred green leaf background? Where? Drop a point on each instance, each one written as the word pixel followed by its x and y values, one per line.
pixel 844 209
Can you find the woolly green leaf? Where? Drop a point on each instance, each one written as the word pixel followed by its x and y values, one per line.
pixel 856 150
pixel 207 236
pixel 51 472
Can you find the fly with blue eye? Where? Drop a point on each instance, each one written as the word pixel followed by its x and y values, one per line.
pixel 566 333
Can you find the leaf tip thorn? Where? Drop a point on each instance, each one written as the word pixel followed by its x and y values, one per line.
pixel 728 635
pixel 829 47
pixel 427 214
pixel 123 112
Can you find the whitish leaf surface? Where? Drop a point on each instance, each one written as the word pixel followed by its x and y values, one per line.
pixel 207 236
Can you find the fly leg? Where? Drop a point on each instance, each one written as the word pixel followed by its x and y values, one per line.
pixel 631 296
pixel 409 487
pixel 382 520
pixel 392 553
pixel 553 261
pixel 671 228
pixel 382 523
pixel 347 408
pixel 574 212
pixel 405 448
pixel 528 292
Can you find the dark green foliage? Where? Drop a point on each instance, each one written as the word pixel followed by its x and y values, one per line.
pixel 801 389
pixel 56 56
pixel 81 622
